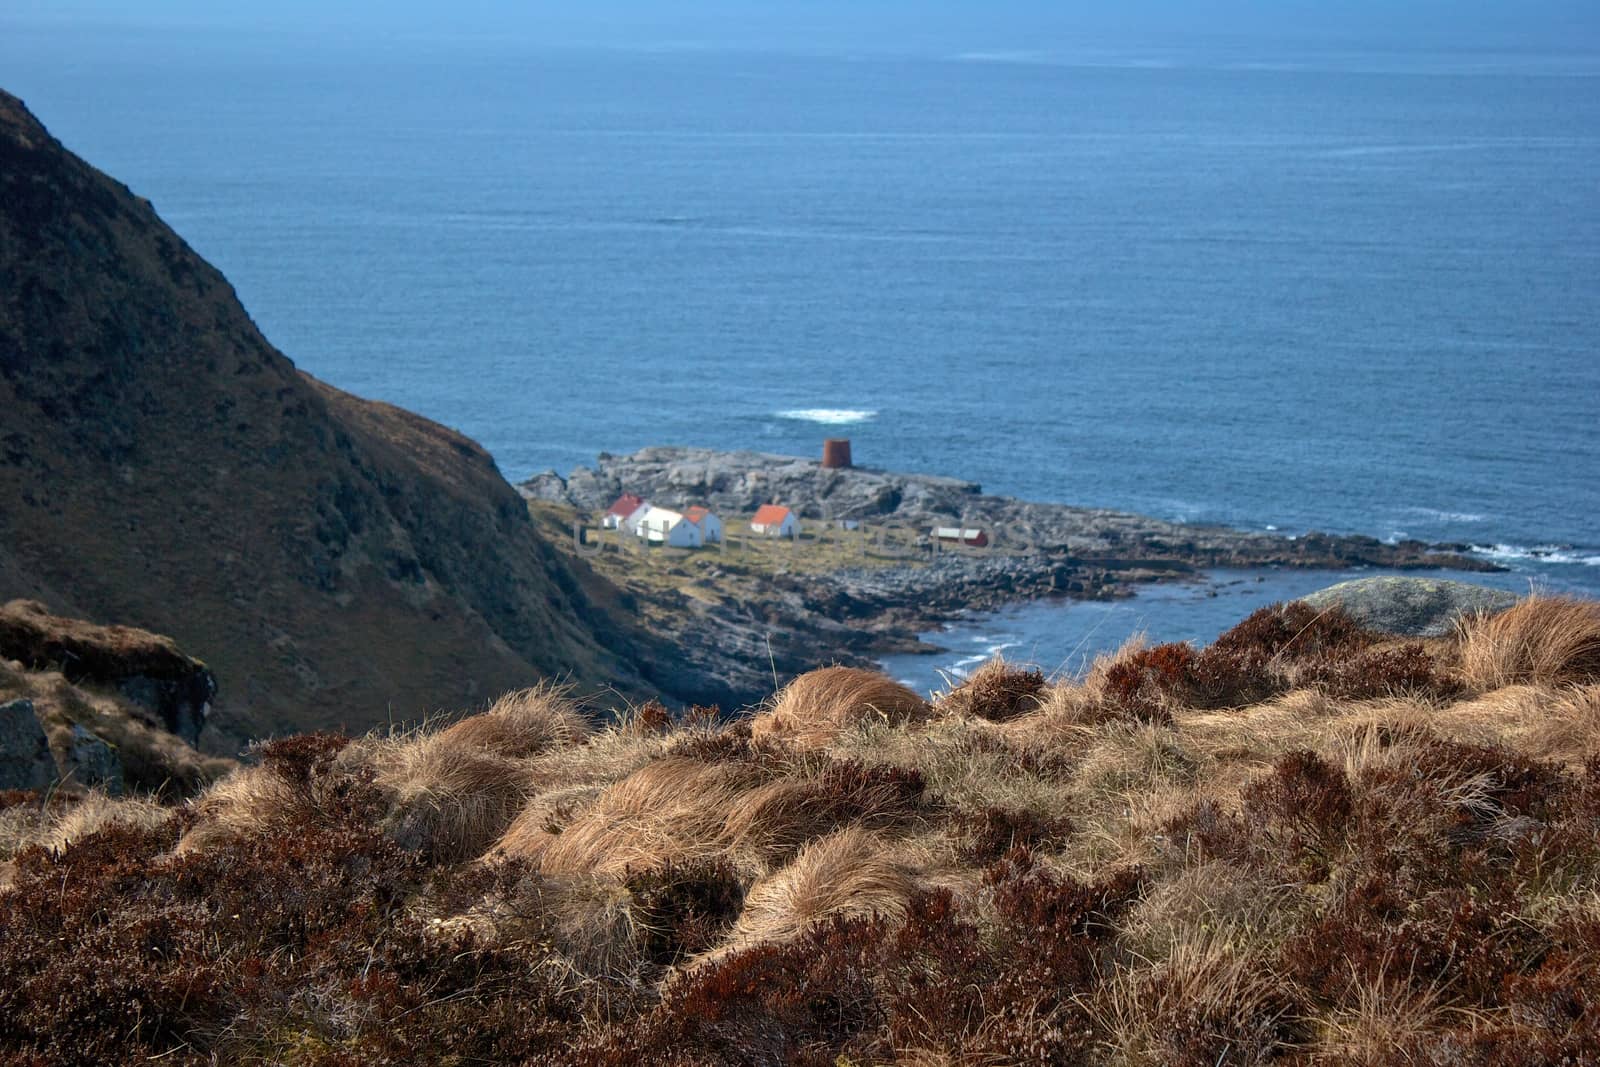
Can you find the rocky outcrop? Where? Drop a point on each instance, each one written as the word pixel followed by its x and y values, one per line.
pixel 25 761
pixel 1410 607
pixel 148 669
pixel 336 562
pixel 102 701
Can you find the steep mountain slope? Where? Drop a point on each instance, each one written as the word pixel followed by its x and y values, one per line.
pixel 335 561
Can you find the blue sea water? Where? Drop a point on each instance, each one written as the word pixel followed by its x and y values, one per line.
pixel 1288 287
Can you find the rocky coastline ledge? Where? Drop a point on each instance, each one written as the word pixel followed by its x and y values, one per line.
pixel 752 622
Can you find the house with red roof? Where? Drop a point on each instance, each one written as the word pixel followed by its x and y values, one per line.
pixel 624 506
pixel 774 520
pixel 957 535
pixel 710 526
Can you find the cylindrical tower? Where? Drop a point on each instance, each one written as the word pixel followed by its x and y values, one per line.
pixel 836 452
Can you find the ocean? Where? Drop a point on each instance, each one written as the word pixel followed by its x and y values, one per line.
pixel 1272 287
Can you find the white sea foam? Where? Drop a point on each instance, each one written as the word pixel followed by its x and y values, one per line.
pixel 1539 553
pixel 1446 516
pixel 828 416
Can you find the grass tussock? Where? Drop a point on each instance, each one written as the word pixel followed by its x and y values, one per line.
pixel 817 706
pixel 1305 844
pixel 1544 640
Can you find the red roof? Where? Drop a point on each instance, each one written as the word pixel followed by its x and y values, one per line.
pixel 625 505
pixel 770 515
pixel 696 513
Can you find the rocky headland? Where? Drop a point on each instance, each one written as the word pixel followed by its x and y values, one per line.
pixel 748 623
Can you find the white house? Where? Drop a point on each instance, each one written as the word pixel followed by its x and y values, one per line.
pixel 625 505
pixel 662 527
pixel 710 526
pixel 630 522
pixel 773 520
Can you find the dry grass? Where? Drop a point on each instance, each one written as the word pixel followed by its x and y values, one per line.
pixel 672 810
pixel 523 723
pixel 1543 640
pixel 1118 869
pixel 450 799
pixel 249 802
pixel 851 872
pixel 816 707
pixel 96 812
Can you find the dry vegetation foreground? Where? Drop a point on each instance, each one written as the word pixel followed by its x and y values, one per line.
pixel 1303 844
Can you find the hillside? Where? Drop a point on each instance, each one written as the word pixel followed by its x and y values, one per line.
pixel 1308 843
pixel 335 561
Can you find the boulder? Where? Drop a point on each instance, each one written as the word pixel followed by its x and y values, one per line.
pixel 91 763
pixel 25 761
pixel 1410 607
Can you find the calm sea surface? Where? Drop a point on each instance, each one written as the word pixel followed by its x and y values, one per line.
pixel 1355 292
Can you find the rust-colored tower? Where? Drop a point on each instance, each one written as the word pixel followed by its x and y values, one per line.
pixel 836 452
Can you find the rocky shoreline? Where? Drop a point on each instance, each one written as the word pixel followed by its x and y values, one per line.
pixel 747 628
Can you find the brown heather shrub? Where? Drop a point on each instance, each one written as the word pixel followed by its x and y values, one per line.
pixel 1144 683
pixel 1260 657
pixel 1296 630
pixel 996 691
pixel 301 758
pixel 987 834
pixel 685 909
pixel 1407 669
pixel 651 717
pixel 813 709
pixel 1275 650
pixel 1546 640
pixel 291 943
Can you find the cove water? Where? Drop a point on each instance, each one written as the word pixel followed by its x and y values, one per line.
pixel 1279 288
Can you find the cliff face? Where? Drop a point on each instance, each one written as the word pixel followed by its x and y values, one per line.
pixel 336 561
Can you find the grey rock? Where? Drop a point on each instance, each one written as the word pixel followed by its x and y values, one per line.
pixel 546 485
pixel 1411 607
pixel 90 762
pixel 25 761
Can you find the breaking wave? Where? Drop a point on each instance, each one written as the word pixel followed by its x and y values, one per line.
pixel 1539 554
pixel 828 416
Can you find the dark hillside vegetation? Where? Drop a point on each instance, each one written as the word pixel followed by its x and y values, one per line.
pixel 1305 844
pixel 335 561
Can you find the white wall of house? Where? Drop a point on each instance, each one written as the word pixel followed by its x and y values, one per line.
pixel 660 526
pixel 711 529
pixel 635 517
